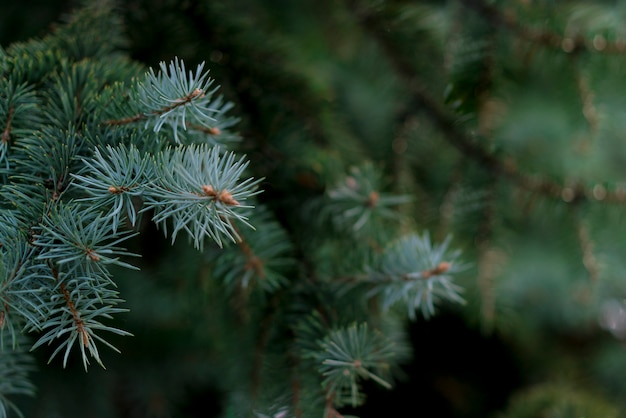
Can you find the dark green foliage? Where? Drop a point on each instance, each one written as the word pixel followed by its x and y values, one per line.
pixel 362 166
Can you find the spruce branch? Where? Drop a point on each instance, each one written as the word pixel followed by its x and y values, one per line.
pixel 174 99
pixel 72 242
pixel 359 205
pixel 127 120
pixel 80 241
pixel 417 273
pixel 74 247
pixel 200 192
pixel 75 316
pixel 112 179
pixel 350 355
pixel 6 134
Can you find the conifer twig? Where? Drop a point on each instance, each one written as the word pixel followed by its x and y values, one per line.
pixel 329 410
pixel 253 262
pixel 3 315
pixel 182 101
pixel 125 121
pixel 80 325
pixel 590 262
pixel 6 134
pixel 589 110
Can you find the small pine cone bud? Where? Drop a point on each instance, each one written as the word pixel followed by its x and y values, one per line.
pixel 93 256
pixel 373 199
pixel 215 131
pixel 438 269
pixel 118 190
pixel 227 198
pixel 209 190
pixel 442 267
pixel 196 93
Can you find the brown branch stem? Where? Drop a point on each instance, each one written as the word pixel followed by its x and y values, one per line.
pixel 197 93
pixel 590 262
pixel 80 325
pixel 125 121
pixel 6 134
pixel 329 410
pixel 3 314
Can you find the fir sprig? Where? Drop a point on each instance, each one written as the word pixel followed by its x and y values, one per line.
pixel 112 179
pixel 353 354
pixel 417 273
pixel 174 98
pixel 75 317
pixel 200 192
pixel 359 204
pixel 80 241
